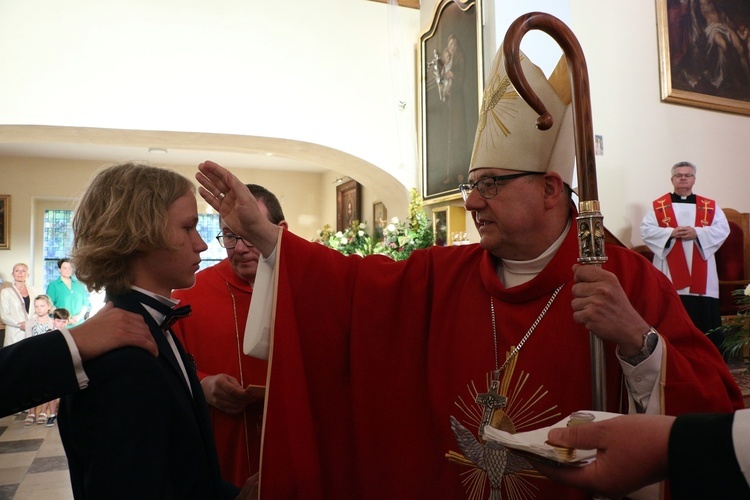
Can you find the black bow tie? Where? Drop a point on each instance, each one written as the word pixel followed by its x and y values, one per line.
pixel 173 315
pixel 170 315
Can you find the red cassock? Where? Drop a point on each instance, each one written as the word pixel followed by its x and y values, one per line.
pixel 213 335
pixel 370 358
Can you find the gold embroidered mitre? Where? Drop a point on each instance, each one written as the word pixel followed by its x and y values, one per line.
pixel 507 137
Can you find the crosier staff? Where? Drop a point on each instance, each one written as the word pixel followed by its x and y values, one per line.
pixel 590 221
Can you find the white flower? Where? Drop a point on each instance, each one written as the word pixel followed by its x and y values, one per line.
pixel 394 221
pixel 343 240
pixel 392 227
pixel 339 234
pixel 747 290
pixel 360 233
pixel 362 225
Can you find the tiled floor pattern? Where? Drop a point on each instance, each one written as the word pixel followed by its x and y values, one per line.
pixel 32 462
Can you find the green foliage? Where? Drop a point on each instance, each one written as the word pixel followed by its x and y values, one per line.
pixel 400 238
pixel 736 329
pixel 353 240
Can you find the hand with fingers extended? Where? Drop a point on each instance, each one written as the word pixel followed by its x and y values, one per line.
pixel 237 206
pixel 109 329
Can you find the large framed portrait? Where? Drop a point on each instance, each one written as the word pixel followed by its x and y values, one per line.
pixel 704 53
pixel 348 204
pixel 450 95
pixel 5 222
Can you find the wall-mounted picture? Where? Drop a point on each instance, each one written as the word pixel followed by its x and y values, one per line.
pixel 704 53
pixel 450 95
pixel 379 220
pixel 4 222
pixel 347 204
pixel 440 227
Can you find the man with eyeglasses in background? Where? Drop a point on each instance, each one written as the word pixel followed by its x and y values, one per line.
pixel 213 335
pixel 684 231
pixel 371 358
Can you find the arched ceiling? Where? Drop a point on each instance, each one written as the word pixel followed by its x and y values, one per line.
pixel 185 148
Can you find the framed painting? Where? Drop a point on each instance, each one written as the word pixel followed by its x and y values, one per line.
pixel 348 204
pixel 451 84
pixel 379 221
pixel 703 53
pixel 449 225
pixel 5 222
pixel 440 227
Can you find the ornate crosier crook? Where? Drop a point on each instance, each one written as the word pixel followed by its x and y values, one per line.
pixel 590 220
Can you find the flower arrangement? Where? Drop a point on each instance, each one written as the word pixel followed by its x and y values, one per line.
pixel 737 328
pixel 353 240
pixel 400 238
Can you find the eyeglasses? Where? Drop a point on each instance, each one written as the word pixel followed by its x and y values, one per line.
pixel 684 176
pixel 229 240
pixel 487 186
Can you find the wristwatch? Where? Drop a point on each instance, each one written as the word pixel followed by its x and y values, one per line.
pixel 650 339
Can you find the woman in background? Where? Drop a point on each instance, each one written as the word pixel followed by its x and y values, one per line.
pixel 68 293
pixel 15 303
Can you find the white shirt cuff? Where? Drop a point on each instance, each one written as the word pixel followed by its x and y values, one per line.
pixel 642 381
pixel 83 379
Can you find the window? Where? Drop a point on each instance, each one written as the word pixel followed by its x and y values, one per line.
pixel 208 228
pixel 58 240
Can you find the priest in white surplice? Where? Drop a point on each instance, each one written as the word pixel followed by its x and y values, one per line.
pixel 684 231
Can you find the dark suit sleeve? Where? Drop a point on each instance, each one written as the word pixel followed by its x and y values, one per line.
pixel 126 401
pixel 702 461
pixel 35 370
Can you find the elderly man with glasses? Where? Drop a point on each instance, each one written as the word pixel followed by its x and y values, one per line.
pixel 213 335
pixel 382 374
pixel 684 231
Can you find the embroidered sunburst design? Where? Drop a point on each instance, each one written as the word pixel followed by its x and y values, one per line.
pixel 494 108
pixel 490 464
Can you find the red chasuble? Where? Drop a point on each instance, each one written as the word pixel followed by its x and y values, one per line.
pixel 213 335
pixel 370 358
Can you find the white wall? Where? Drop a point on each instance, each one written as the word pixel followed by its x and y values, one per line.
pixel 643 137
pixel 320 71
pixel 38 184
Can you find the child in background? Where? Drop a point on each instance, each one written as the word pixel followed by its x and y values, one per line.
pixel 39 323
pixel 60 319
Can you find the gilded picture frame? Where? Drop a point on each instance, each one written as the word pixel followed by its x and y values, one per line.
pixel 348 204
pixel 451 82
pixel 5 222
pixel 704 53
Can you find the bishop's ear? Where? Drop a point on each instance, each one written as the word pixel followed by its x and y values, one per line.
pixel 554 188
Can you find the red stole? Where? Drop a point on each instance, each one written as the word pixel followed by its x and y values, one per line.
pixel 678 268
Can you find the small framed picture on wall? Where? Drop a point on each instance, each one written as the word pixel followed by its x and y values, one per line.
pixel 4 222
pixel 348 204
